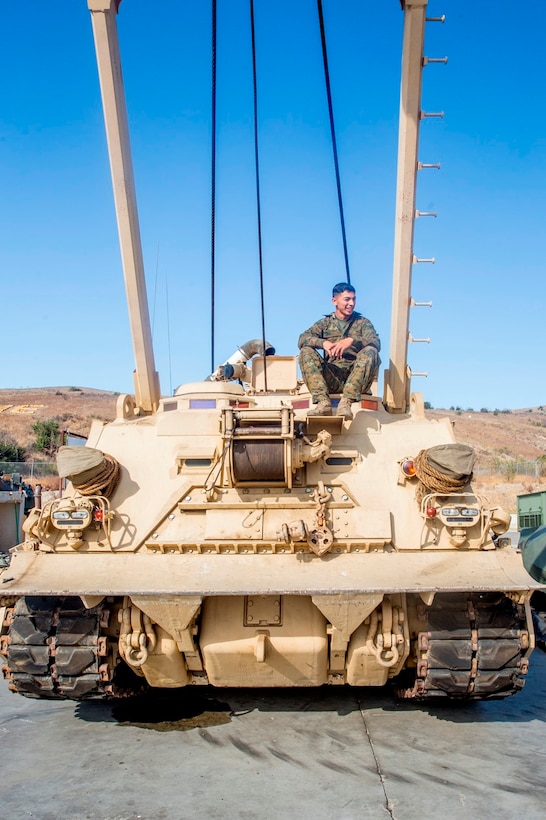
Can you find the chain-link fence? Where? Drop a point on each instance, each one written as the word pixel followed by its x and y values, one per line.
pixel 31 471
pixel 511 468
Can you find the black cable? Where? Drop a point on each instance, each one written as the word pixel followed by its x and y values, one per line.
pixel 257 166
pixel 333 134
pixel 213 188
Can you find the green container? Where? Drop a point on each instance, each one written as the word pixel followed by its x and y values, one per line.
pixel 531 512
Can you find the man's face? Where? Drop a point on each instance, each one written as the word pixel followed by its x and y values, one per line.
pixel 344 304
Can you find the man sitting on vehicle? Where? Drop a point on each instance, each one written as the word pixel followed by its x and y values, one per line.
pixel 351 355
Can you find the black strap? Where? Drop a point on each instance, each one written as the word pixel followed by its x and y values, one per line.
pixel 352 320
pixel 349 326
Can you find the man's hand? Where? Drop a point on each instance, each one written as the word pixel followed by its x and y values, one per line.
pixel 335 350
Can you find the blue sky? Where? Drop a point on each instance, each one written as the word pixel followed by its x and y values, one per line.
pixel 65 318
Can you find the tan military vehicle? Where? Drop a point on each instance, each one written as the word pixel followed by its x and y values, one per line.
pixel 225 535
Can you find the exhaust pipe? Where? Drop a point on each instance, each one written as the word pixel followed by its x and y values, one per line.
pixel 231 368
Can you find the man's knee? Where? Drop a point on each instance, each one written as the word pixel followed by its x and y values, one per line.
pixel 368 357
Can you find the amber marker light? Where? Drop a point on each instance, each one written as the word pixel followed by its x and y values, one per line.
pixel 408 468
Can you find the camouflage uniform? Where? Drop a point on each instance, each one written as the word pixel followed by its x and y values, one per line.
pixel 351 375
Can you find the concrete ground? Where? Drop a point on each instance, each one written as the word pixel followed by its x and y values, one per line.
pixel 327 753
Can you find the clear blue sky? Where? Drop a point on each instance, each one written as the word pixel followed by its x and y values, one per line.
pixel 64 314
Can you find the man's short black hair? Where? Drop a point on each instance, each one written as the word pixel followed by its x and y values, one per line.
pixel 341 287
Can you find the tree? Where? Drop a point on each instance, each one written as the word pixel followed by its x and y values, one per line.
pixel 10 450
pixel 428 406
pixel 509 470
pixel 48 436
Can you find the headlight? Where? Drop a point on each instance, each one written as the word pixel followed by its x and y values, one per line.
pixel 460 515
pixel 81 515
pixel 450 511
pixel 71 517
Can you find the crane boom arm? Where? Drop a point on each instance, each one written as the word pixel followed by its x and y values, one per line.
pixel 397 376
pixel 146 379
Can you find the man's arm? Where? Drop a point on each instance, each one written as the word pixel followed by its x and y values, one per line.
pixel 363 334
pixel 314 337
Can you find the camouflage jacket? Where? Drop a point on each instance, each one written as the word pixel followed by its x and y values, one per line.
pixel 332 329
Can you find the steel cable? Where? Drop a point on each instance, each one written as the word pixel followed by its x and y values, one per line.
pixel 257 169
pixel 213 186
pixel 333 137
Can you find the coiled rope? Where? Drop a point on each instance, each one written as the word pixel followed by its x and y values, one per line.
pixel 432 481
pixel 105 481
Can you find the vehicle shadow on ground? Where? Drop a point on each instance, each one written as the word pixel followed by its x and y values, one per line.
pixel 189 708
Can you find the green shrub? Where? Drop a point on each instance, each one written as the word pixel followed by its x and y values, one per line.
pixel 509 470
pixel 10 450
pixel 48 436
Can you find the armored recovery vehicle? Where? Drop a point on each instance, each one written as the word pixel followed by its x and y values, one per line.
pixel 225 535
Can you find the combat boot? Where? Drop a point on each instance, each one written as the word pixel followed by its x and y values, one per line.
pixel 344 409
pixel 323 408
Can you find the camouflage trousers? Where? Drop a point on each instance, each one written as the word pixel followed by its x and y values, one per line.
pixel 352 378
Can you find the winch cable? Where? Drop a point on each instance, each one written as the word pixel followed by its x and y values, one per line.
pixel 257 170
pixel 333 136
pixel 213 187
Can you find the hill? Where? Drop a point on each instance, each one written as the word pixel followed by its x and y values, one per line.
pixel 516 434
pixel 73 408
pixel 497 437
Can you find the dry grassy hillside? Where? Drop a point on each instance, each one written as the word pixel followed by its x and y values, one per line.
pixel 498 439
pixel 73 408
pixel 520 434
